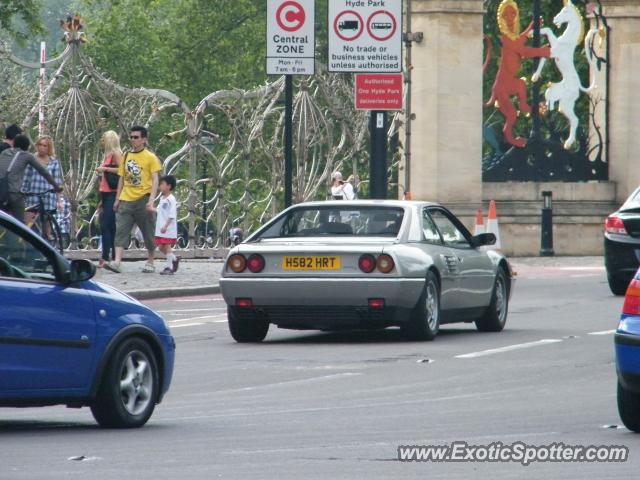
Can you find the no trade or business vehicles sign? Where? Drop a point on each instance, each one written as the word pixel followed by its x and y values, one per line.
pixel 365 36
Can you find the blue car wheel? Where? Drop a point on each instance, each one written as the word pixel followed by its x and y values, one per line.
pixel 129 389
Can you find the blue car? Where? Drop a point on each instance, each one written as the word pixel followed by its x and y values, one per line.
pixel 627 342
pixel 65 339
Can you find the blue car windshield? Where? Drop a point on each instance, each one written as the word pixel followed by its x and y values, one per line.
pixel 360 221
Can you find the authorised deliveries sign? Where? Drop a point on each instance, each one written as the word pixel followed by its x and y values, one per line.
pixel 290 37
pixel 365 36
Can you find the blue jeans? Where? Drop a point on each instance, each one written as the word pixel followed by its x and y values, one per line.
pixel 108 225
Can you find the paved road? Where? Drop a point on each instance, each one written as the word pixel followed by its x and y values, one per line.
pixel 327 405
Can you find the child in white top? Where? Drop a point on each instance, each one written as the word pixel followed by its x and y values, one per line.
pixel 166 224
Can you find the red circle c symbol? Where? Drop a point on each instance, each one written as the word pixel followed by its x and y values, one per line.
pixel 294 16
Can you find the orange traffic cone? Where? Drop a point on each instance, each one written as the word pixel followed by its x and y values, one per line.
pixel 492 225
pixel 479 223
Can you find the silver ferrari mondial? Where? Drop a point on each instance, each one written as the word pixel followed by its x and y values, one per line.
pixel 365 264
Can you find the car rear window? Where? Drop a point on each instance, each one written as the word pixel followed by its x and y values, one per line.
pixel 332 220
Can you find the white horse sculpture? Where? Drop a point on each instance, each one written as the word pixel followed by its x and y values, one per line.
pixel 563 47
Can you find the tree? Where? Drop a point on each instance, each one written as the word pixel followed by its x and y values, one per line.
pixel 190 47
pixel 25 11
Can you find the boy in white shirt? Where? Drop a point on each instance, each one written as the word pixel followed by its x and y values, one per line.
pixel 167 224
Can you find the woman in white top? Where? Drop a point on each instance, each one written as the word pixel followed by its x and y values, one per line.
pixel 341 190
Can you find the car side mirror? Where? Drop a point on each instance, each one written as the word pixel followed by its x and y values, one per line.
pixel 81 270
pixel 483 239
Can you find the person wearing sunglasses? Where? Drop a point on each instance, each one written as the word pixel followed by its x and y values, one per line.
pixel 137 189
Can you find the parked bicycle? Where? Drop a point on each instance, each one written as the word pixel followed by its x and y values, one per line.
pixel 44 223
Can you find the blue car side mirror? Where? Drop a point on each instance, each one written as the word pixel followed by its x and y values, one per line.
pixel 81 270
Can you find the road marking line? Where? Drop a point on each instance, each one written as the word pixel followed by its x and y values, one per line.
pixel 191 310
pixel 186 325
pixel 603 332
pixel 197 318
pixel 509 348
pixel 286 383
pixel 198 299
pixel 220 321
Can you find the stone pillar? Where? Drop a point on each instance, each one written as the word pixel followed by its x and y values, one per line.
pixel 623 17
pixel 446 136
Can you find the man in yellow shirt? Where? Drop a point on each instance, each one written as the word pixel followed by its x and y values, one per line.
pixel 137 188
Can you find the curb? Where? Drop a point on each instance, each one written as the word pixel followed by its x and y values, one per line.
pixel 172 292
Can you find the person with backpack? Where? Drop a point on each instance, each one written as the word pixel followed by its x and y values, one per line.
pixel 13 164
pixel 10 134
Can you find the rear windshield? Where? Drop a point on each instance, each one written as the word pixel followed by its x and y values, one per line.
pixel 332 220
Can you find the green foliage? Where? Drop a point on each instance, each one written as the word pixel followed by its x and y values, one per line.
pixel 190 47
pixel 19 18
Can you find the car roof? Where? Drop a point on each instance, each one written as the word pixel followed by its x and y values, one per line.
pixel 365 203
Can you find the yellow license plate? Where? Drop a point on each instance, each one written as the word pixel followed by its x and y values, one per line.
pixel 310 263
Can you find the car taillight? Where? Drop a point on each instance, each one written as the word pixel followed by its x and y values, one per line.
pixel 632 299
pixel 385 263
pixel 376 303
pixel 615 225
pixel 255 263
pixel 367 263
pixel 237 263
pixel 244 302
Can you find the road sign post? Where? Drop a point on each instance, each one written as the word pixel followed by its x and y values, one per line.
pixel 378 159
pixel 365 36
pixel 290 51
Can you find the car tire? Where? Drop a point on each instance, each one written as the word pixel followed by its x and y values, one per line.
pixel 129 388
pixel 424 323
pixel 617 285
pixel 629 408
pixel 246 331
pixel 495 317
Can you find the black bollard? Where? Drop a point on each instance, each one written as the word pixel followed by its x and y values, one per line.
pixel 546 227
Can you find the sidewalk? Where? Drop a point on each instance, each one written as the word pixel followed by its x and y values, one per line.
pixel 194 277
pixel 200 277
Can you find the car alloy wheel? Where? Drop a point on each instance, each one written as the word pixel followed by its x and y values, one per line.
pixel 501 296
pixel 129 386
pixel 495 317
pixel 432 309
pixel 424 323
pixel 136 382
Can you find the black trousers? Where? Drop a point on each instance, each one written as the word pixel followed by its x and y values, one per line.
pixel 108 225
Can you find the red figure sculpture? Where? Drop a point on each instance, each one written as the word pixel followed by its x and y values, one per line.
pixel 506 84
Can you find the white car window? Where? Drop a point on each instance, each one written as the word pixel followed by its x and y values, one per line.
pixel 451 235
pixel 429 229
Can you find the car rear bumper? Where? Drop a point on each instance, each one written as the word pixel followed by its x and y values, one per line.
pixel 327 303
pixel 322 317
pixel 301 291
pixel 628 360
pixel 621 259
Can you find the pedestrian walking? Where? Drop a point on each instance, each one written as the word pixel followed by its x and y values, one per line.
pixel 167 224
pixel 137 188
pixel 34 184
pixel 108 188
pixel 10 133
pixel 13 164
